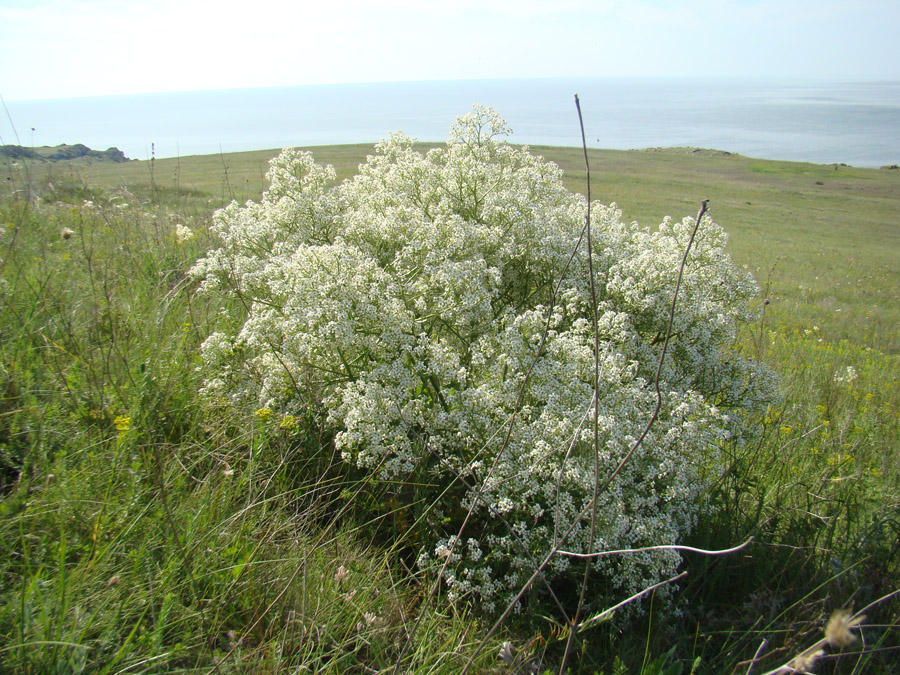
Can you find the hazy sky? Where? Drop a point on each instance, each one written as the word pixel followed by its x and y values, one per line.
pixel 63 48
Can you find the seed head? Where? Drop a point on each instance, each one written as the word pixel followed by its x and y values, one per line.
pixel 837 631
pixel 341 574
pixel 803 663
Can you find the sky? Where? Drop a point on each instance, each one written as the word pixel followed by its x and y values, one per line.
pixel 70 48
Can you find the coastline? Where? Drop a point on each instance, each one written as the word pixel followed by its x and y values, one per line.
pixel 823 123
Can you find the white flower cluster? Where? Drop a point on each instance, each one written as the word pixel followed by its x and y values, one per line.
pixel 183 233
pixel 848 376
pixel 409 303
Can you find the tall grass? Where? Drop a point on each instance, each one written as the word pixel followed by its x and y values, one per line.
pixel 141 531
pixel 144 531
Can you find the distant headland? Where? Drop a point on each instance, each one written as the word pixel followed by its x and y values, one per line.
pixel 62 152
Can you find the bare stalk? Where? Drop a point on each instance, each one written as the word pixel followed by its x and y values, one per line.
pixel 607 612
pixel 661 547
pixel 570 643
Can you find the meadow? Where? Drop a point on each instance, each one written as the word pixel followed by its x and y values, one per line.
pixel 142 530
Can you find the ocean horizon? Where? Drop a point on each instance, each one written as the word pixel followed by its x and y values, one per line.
pixel 855 123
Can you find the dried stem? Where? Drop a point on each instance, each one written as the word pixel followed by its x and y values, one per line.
pixel 570 643
pixel 661 547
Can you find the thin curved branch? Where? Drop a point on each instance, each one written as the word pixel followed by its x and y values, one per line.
pixel 661 547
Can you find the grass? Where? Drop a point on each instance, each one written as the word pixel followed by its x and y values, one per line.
pixel 825 238
pixel 143 532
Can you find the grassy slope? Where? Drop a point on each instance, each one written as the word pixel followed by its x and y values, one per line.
pixel 826 238
pixel 819 492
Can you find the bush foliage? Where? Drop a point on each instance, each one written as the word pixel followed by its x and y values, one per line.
pixel 435 313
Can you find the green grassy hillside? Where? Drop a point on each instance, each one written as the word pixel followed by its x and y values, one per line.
pixel 824 237
pixel 144 531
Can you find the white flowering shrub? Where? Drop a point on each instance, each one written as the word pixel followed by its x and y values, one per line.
pixel 406 307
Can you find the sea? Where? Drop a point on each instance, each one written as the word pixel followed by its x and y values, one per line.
pixel 824 122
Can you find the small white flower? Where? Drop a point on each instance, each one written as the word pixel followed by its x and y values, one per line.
pixel 505 505
pixel 183 233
